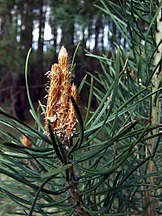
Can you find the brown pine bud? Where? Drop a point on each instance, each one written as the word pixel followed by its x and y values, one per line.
pixel 60 112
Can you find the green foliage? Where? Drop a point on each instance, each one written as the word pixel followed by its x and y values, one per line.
pixel 108 150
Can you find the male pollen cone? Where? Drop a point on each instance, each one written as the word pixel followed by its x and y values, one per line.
pixel 60 113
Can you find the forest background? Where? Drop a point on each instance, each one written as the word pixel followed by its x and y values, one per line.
pixel 45 25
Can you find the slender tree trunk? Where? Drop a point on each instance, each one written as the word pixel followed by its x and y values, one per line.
pixel 5 25
pixel 39 72
pixel 97 32
pixel 113 32
pixel 27 27
pixel 90 31
pixel 102 38
pixel 18 93
pixel 98 25
pixel 42 13
pixel 68 37
pixel 155 115
pixel 53 25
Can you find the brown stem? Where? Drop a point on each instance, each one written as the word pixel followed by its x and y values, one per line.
pixel 76 198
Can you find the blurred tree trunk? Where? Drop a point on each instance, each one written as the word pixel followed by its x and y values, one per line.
pixel 39 69
pixel 54 33
pixel 155 116
pixel 68 37
pixel 19 99
pixel 5 24
pixel 102 37
pixel 26 26
pixel 98 26
pixel 113 35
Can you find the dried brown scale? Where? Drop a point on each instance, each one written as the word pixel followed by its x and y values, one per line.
pixel 25 141
pixel 71 120
pixel 53 90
